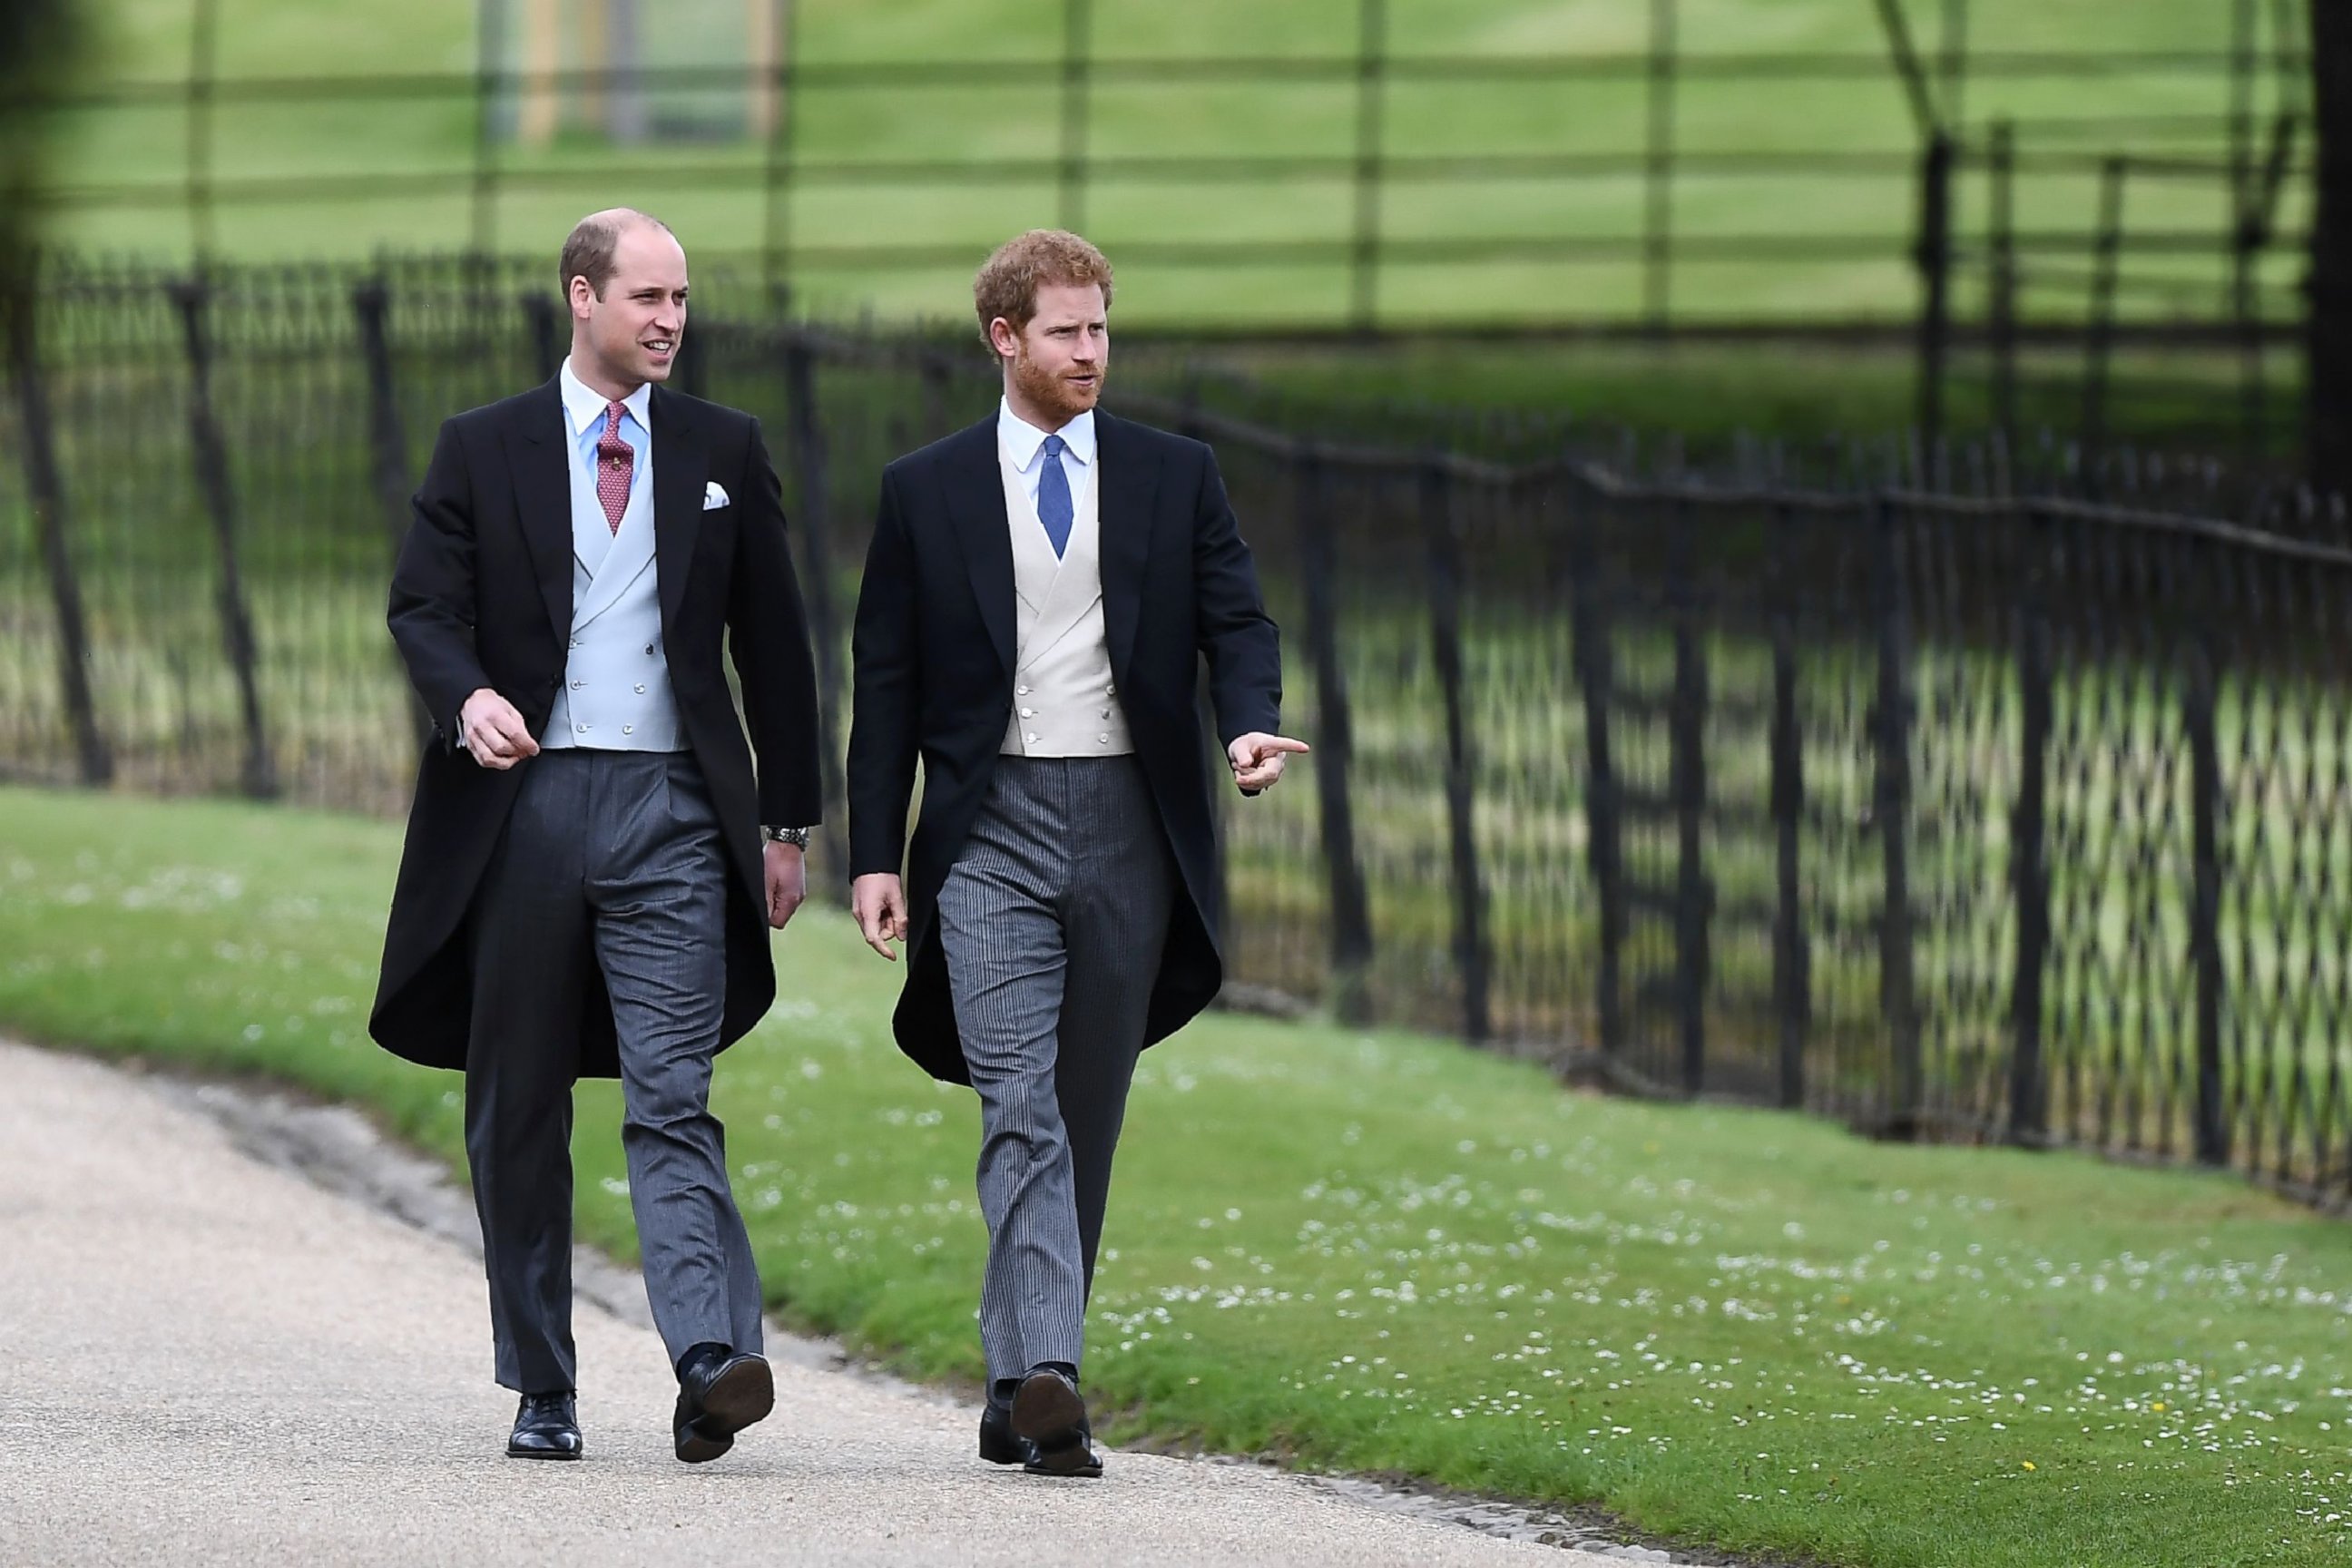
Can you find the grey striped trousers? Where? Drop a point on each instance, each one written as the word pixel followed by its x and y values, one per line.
pixel 1053 919
pixel 611 862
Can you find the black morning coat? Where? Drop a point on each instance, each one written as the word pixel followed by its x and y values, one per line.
pixel 482 596
pixel 934 660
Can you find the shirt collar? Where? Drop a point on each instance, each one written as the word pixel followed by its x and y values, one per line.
pixel 584 407
pixel 1020 439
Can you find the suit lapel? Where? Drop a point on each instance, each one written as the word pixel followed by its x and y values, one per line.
pixel 681 470
pixel 1126 498
pixel 542 484
pixel 976 502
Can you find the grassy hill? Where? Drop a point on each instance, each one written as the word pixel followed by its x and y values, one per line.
pixel 400 167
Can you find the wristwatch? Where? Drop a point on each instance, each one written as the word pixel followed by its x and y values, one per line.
pixel 797 837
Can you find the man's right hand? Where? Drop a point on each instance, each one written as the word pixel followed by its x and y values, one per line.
pixel 880 905
pixel 493 731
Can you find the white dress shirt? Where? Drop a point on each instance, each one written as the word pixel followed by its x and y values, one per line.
pixel 1024 444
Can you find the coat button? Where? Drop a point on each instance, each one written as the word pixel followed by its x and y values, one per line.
pixel 1020 690
pixel 1028 712
pixel 1102 740
pixel 650 649
pixel 641 688
pixel 1031 738
pixel 579 729
pixel 578 684
pixel 628 729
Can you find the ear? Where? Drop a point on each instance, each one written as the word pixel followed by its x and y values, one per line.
pixel 1004 339
pixel 578 296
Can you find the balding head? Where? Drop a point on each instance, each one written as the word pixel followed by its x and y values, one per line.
pixel 589 250
pixel 624 283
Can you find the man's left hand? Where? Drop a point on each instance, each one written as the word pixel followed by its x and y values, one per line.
pixel 1257 758
pixel 787 882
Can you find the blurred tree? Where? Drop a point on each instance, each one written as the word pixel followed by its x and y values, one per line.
pixel 2329 341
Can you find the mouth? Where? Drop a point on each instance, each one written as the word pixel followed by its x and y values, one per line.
pixel 660 348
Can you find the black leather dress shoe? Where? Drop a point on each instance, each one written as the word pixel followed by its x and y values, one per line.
pixel 1048 1413
pixel 999 1444
pixel 547 1426
pixel 718 1396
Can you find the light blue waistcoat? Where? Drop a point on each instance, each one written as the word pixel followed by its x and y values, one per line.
pixel 616 693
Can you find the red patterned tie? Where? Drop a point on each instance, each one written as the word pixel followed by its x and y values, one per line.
pixel 615 461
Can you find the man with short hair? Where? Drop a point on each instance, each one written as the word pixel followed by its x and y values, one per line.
pixel 1040 591
pixel 585 889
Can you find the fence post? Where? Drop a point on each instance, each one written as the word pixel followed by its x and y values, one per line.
pixel 2029 838
pixel 1221 800
pixel 1891 809
pixel 817 592
pixel 204 74
pixel 47 490
pixel 488 78
pixel 1658 170
pixel 1440 526
pixel 388 440
pixel 2002 306
pixel 547 349
pixel 1351 924
pixel 1604 844
pixel 939 389
pixel 1934 258
pixel 2247 227
pixel 694 364
pixel 778 152
pixel 1371 103
pixel 257 777
pixel 1687 767
pixel 2099 342
pixel 1791 961
pixel 1077 60
pixel 2202 733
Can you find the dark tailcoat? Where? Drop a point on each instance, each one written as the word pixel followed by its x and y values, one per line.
pixel 482 596
pixel 934 655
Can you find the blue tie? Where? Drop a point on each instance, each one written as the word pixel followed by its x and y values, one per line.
pixel 1053 497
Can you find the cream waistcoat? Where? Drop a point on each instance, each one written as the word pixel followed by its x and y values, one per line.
pixel 1064 703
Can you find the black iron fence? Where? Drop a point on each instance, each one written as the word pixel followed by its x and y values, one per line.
pixel 1945 808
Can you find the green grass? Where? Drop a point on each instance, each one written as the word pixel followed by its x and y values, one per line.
pixel 1707 395
pixel 1375 1251
pixel 1019 116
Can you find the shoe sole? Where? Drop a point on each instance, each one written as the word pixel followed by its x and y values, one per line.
pixel 1049 1413
pixel 541 1454
pixel 742 1396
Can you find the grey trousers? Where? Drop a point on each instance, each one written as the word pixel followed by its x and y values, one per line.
pixel 611 859
pixel 1053 919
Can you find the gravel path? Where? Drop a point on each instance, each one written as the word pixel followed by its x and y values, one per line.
pixel 207 1360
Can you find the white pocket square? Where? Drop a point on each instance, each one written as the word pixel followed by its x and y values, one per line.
pixel 714 494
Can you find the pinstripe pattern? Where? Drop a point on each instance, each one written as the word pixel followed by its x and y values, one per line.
pixel 610 861
pixel 1052 923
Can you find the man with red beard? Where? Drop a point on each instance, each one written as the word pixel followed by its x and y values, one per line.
pixel 1041 590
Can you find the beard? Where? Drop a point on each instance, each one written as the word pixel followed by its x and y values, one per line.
pixel 1047 389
